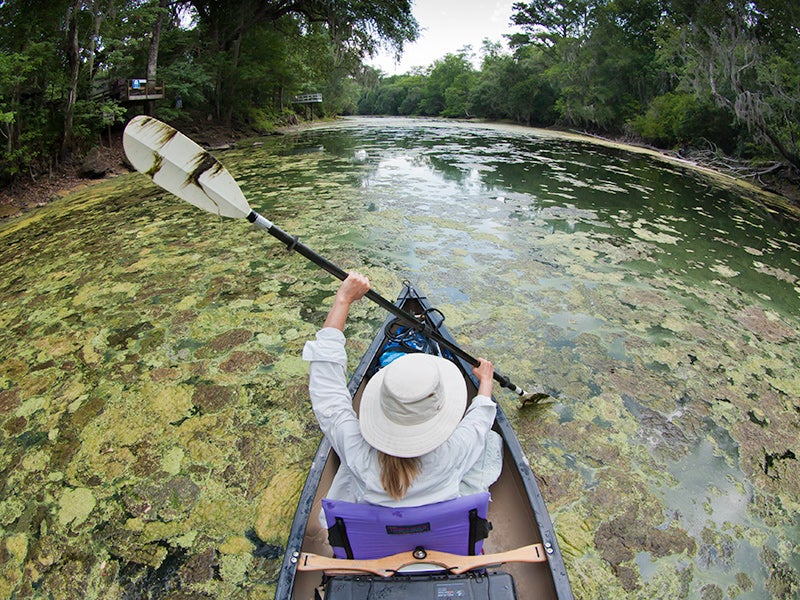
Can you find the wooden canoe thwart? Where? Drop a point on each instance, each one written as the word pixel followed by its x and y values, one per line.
pixel 391 565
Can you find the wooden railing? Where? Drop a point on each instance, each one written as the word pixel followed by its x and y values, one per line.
pixel 142 89
pixel 307 98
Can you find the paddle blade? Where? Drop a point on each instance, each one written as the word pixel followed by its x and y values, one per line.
pixel 177 164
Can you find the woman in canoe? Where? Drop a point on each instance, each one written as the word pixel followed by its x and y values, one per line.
pixel 411 443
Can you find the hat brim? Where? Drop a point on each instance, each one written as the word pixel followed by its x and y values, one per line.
pixel 407 441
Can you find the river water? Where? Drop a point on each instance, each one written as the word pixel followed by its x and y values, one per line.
pixel 155 432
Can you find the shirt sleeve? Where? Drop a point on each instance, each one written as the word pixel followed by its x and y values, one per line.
pixel 467 442
pixel 330 398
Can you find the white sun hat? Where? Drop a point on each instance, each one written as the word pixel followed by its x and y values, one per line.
pixel 412 405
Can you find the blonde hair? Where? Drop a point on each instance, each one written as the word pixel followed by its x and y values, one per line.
pixel 397 474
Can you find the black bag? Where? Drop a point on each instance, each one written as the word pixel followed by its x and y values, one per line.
pixel 469 586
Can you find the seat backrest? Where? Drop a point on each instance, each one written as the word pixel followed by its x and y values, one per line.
pixel 363 531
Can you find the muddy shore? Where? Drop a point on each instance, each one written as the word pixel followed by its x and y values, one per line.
pixel 26 195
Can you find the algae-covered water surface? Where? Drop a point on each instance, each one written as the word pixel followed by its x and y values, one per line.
pixel 155 427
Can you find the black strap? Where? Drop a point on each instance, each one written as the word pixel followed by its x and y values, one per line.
pixel 337 536
pixel 479 529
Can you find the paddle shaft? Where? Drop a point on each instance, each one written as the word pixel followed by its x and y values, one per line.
pixel 292 243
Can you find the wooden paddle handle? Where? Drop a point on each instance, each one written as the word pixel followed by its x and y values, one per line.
pixel 390 565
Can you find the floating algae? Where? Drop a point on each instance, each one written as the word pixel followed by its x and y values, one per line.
pixel 75 506
pixel 153 414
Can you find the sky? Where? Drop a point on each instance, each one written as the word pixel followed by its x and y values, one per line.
pixel 446 26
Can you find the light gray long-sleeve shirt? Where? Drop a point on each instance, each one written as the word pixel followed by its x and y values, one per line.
pixel 358 480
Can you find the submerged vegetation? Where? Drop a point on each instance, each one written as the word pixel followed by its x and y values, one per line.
pixel 153 435
pixel 154 426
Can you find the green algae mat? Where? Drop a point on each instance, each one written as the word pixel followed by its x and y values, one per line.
pixel 155 430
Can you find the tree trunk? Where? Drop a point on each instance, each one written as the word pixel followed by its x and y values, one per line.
pixel 152 54
pixel 73 57
pixel 790 157
pixel 229 90
pixel 97 20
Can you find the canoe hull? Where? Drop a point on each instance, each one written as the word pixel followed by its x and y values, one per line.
pixel 517 512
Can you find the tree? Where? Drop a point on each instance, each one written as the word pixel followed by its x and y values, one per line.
pixel 548 22
pixel 531 97
pixel 241 59
pixel 489 95
pixel 447 86
pixel 72 51
pixel 745 55
pixel 32 86
pixel 355 28
pixel 414 88
pixel 682 119
pixel 155 41
pixel 27 125
pixel 600 53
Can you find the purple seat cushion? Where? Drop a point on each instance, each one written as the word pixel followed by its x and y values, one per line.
pixel 365 531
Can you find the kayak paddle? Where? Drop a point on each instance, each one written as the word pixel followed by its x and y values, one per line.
pixel 180 166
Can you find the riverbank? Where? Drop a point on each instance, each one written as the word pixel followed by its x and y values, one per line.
pixel 28 195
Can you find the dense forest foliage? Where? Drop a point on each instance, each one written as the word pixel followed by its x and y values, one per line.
pixel 722 75
pixel 233 62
